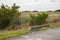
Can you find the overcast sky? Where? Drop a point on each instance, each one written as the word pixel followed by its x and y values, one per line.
pixel 39 5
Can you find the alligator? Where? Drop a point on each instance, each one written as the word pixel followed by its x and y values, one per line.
pixel 36 27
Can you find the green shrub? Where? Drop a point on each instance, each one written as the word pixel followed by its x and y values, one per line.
pixel 38 19
pixel 7 13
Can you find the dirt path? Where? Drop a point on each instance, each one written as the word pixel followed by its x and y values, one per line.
pixel 49 34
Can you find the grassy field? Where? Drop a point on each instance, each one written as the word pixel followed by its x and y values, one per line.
pixel 12 33
pixel 52 16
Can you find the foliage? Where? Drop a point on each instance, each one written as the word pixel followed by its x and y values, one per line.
pixel 39 19
pixel 6 14
pixel 57 10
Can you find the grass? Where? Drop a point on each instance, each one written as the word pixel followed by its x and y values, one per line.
pixel 53 25
pixel 43 28
pixel 7 34
pixel 13 33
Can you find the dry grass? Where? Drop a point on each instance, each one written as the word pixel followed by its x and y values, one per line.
pixel 57 24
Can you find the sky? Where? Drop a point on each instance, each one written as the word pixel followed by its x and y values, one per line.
pixel 30 5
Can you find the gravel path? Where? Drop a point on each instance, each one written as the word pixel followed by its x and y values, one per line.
pixel 49 34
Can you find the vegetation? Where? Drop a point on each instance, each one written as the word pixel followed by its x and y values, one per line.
pixel 54 25
pixel 39 19
pixel 57 10
pixel 10 16
pixel 12 33
pixel 7 14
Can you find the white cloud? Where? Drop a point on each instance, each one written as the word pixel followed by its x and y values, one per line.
pixel 34 4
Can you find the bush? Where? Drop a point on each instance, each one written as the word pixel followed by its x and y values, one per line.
pixel 39 19
pixel 6 15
